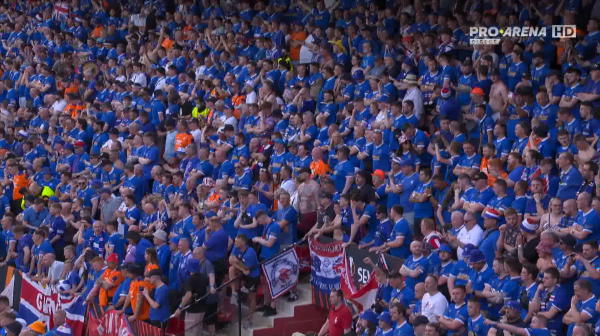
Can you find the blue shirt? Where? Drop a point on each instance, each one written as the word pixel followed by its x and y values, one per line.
pixel 457 313
pixel 412 264
pixel 488 245
pixel 423 209
pixel 590 221
pixel 477 327
pixel 271 230
pixel 249 259
pixel 556 298
pixel 161 296
pixel 33 217
pixel 216 245
pixel 340 172
pixel 569 184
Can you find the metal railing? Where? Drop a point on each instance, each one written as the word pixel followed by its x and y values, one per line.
pixel 239 278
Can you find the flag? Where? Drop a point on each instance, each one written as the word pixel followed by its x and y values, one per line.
pixel 282 272
pixel 360 297
pixel 327 260
pixel 39 303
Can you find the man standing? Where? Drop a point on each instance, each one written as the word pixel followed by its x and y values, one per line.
pixel 339 321
pixel 159 301
pixel 195 288
pixel 307 202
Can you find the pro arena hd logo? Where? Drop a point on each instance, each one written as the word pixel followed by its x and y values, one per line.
pixel 493 35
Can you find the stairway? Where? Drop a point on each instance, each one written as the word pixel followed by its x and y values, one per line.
pixel 307 319
pixel 300 315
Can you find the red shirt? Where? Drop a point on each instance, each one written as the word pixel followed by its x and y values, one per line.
pixel 339 319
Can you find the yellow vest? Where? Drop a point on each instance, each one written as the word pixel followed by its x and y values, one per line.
pixel 196 112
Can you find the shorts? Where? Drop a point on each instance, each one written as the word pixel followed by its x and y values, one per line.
pixel 210 316
pixel 251 284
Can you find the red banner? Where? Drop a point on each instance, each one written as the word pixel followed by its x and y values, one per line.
pixel 110 323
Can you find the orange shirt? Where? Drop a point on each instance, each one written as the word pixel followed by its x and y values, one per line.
pixel 134 290
pixel 182 140
pixel 167 43
pixel 74 110
pixel 295 51
pixel 492 179
pixel 114 276
pixel 19 182
pixel 319 168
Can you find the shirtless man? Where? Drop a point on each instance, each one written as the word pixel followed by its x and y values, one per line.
pixel 498 94
pixel 307 201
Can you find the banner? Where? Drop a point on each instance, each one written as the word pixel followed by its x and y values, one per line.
pixel 39 303
pixel 110 323
pixel 282 272
pixel 361 297
pixel 327 261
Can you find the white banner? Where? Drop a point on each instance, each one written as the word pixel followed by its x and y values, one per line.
pixel 282 272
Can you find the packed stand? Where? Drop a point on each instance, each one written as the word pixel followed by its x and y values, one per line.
pixel 150 150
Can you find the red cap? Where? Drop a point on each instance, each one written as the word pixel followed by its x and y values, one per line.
pixel 379 173
pixel 114 258
pixel 79 144
pixel 477 91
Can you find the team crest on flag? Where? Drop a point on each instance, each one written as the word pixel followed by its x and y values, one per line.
pixel 282 272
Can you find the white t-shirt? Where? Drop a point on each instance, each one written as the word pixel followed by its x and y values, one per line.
pixel 473 236
pixel 416 96
pixel 306 55
pixel 55 271
pixel 433 306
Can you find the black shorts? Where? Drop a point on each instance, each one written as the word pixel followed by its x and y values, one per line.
pixel 210 315
pixel 251 284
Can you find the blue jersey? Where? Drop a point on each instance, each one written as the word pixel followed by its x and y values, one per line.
pixel 460 273
pixel 569 184
pixel 412 264
pixel 556 298
pixel 476 326
pixel 457 313
pixel 341 171
pixel 249 259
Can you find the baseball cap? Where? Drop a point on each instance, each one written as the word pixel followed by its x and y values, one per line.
pixel 113 258
pixel 369 315
pixel 385 317
pixel 407 162
pixel 155 272
pixel 38 327
pixel 358 75
pixel 379 173
pixel 445 248
pixel 476 256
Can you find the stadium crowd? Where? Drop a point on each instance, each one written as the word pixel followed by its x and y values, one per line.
pixel 150 150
